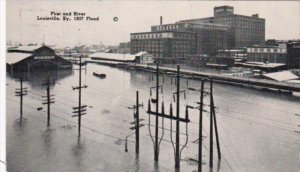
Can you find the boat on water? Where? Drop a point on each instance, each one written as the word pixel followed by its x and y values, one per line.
pixel 100 75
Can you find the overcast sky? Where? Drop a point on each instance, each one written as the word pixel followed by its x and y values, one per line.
pixel 282 19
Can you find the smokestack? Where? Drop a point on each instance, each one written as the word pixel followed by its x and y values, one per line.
pixel 161 20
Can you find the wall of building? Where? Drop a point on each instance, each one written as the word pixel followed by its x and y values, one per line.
pixel 293 53
pixel 164 44
pixel 276 54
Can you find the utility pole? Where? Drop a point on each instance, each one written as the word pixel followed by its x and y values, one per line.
pixel 136 122
pixel 177 158
pixel 156 152
pixel 21 92
pixel 200 129
pixel 137 134
pixel 215 123
pixel 177 151
pixel 211 129
pixel 49 99
pixel 80 109
pixel 156 142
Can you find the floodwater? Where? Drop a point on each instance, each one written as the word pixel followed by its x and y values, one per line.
pixel 258 131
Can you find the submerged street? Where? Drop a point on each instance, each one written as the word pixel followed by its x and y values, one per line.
pixel 258 130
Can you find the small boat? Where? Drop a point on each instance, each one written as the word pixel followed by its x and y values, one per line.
pixel 101 75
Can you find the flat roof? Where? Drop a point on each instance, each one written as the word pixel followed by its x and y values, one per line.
pixel 265 65
pixel 141 53
pixel 113 56
pixel 164 31
pixel 191 22
pixel 13 57
pixel 281 76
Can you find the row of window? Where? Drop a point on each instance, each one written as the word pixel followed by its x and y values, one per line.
pixel 266 50
pixel 151 35
pixel 167 27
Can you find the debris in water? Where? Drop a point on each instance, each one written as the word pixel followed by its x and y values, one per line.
pixel 105 111
pixel 69 127
pixel 118 142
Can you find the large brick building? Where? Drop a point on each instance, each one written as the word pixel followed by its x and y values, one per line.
pixel 243 30
pixel 225 30
pixel 180 39
pixel 164 43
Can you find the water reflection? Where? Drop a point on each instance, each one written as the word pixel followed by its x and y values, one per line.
pixel 47 137
pixel 218 167
pixel 78 152
pixel 137 162
pixel 19 124
pixel 35 78
pixel 156 166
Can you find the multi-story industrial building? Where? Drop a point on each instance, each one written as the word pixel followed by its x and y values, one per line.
pixel 243 30
pixel 166 44
pixel 181 39
pixel 225 30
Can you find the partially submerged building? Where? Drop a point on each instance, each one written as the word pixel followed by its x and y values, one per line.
pixel 31 58
pixel 141 57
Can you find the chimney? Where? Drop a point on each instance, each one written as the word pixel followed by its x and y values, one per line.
pixel 161 20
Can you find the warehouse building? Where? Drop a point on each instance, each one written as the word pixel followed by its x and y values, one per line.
pixel 169 44
pixel 209 37
pixel 32 58
pixel 141 57
pixel 267 54
pixel 243 30
pixel 180 40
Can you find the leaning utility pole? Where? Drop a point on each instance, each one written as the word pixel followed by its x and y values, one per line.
pixel 49 99
pixel 21 92
pixel 80 109
pixel 213 122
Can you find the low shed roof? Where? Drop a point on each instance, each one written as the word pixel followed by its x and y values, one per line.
pixel 12 58
pixel 281 76
pixel 112 56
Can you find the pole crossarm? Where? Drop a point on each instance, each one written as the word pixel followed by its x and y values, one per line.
pixel 81 107
pixel 169 116
pixel 77 87
pixel 21 92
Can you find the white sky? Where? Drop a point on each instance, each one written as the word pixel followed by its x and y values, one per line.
pixel 282 19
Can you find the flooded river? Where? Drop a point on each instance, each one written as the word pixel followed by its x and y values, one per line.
pixel 259 131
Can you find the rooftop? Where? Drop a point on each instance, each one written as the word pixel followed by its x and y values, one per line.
pixel 27 48
pixel 113 56
pixel 12 58
pixel 281 76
